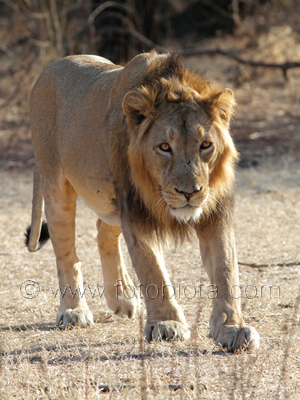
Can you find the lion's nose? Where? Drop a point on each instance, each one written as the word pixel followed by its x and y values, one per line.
pixel 188 195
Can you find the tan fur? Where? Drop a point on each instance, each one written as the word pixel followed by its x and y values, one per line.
pixel 148 148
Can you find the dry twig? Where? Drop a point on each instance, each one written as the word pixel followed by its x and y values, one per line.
pixel 255 265
pixel 110 388
pixel 283 66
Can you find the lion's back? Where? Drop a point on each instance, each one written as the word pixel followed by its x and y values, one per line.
pixel 69 100
pixel 71 80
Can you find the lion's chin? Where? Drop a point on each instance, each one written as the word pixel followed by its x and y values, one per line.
pixel 186 214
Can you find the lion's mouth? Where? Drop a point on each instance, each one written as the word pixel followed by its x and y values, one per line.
pixel 186 206
pixel 186 213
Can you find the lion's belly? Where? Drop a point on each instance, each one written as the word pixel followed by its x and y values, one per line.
pixel 100 197
pixel 104 209
pixel 105 212
pixel 110 219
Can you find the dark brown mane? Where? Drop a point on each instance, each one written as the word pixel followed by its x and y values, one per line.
pixel 168 77
pixel 167 67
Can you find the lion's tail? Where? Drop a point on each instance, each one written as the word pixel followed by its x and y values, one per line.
pixel 37 234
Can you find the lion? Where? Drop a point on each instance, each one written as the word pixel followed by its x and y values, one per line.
pixel 147 147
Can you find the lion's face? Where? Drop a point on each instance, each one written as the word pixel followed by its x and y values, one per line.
pixel 180 152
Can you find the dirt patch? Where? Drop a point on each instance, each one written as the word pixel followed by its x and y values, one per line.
pixel 42 361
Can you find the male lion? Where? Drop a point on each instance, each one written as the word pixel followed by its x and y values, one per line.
pixel 147 147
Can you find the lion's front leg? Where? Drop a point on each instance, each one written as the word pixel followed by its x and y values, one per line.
pixel 227 326
pixel 165 319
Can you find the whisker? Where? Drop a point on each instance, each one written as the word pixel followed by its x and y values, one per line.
pixel 159 204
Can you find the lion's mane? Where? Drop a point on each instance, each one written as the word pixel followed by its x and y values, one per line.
pixel 167 80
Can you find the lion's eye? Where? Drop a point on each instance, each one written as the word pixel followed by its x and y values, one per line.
pixel 165 147
pixel 205 145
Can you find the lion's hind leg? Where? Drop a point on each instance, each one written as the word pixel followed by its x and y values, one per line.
pixel 60 207
pixel 120 293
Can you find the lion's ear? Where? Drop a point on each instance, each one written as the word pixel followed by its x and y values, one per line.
pixel 222 104
pixel 136 107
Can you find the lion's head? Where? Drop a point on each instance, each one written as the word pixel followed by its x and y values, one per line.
pixel 180 153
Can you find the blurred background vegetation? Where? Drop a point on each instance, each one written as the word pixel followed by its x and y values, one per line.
pixel 118 30
pixel 34 33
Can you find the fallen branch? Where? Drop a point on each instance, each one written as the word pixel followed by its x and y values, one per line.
pixel 255 265
pixel 284 66
pixel 192 52
pixel 110 388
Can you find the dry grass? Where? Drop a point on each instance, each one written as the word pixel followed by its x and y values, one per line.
pixel 38 361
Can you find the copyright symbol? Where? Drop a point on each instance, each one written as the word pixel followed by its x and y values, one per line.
pixel 29 289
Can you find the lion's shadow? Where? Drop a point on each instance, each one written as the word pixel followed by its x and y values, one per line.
pixel 50 326
pixel 39 326
pixel 33 354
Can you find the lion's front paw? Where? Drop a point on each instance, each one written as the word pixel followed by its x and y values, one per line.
pixel 72 317
pixel 127 307
pixel 166 330
pixel 124 305
pixel 234 338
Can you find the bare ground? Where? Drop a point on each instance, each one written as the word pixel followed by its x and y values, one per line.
pixel 40 362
